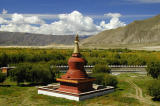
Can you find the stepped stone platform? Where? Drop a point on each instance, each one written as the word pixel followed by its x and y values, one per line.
pixel 52 90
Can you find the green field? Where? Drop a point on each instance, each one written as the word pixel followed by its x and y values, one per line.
pixel 131 91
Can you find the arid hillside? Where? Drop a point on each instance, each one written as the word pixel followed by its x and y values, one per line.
pixel 139 33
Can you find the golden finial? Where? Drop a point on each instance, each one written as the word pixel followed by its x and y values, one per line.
pixel 76 47
pixel 77 38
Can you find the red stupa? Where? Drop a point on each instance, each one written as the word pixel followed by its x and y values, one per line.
pixel 76 80
pixel 75 84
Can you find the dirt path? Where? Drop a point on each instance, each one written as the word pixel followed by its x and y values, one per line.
pixel 139 95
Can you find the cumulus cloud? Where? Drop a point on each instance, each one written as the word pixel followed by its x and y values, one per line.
pixel 114 22
pixel 19 28
pixel 20 19
pixel 67 24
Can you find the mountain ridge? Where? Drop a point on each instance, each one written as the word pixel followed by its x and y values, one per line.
pixel 30 39
pixel 136 33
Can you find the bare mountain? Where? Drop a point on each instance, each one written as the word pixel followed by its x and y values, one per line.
pixel 143 32
pixel 28 39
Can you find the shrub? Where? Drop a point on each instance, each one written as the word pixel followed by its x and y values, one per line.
pixel 40 74
pixel 105 79
pixel 2 77
pixel 33 73
pixel 153 69
pixel 99 78
pixel 55 71
pixel 4 59
pixel 20 73
pixel 110 80
pixel 154 89
pixel 98 68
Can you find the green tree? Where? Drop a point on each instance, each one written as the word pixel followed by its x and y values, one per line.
pixel 98 68
pixel 154 89
pixel 153 69
pixel 2 77
pixel 33 73
pixel 40 74
pixel 4 59
pixel 20 73
pixel 105 79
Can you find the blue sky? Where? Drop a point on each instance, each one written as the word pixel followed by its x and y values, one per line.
pixel 129 10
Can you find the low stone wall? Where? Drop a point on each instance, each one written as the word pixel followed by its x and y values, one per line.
pixel 50 90
pixel 114 69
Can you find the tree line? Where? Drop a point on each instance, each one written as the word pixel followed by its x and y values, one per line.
pixel 14 56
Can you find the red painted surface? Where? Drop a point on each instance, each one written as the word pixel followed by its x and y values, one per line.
pixel 75 88
pixel 76 72
pixel 76 68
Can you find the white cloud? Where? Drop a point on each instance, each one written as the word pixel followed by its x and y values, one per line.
pixel 41 16
pixel 20 19
pixel 56 16
pixel 145 1
pixel 114 22
pixel 117 15
pixel 67 24
pixel 3 21
pixel 19 28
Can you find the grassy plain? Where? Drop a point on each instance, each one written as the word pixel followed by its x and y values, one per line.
pixel 131 91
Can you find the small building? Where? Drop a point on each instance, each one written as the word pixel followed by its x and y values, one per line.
pixel 6 69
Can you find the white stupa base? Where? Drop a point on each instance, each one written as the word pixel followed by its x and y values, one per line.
pixel 51 91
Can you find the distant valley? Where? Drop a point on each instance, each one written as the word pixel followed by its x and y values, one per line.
pixel 28 39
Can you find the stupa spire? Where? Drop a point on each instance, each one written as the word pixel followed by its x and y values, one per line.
pixel 76 47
